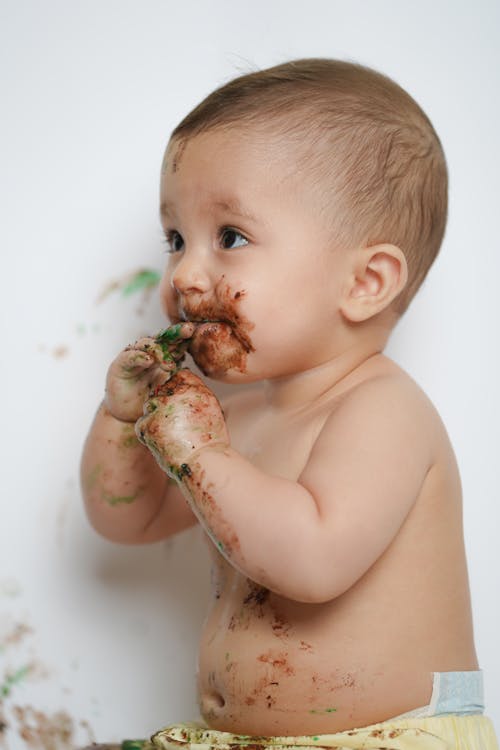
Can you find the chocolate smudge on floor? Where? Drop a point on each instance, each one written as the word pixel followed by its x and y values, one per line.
pixel 44 731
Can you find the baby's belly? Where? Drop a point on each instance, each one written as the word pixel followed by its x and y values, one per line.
pixel 268 666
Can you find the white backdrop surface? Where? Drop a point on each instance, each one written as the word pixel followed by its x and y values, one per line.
pixel 98 641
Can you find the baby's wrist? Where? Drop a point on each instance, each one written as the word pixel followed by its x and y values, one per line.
pixel 189 465
pixel 123 415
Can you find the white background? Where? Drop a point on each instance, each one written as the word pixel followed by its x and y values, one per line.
pixel 90 91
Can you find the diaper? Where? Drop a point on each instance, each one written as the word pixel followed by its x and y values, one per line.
pixel 470 732
pixel 452 693
pixel 452 720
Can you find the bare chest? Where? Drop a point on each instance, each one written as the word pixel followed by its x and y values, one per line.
pixel 277 444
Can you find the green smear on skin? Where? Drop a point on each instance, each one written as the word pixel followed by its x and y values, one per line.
pixel 323 711
pixel 129 438
pixel 167 337
pixel 14 679
pixel 119 499
pixel 179 472
pixel 144 279
pixel 92 477
pixel 130 441
pixel 169 334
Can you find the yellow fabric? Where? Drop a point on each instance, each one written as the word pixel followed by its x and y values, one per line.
pixel 448 732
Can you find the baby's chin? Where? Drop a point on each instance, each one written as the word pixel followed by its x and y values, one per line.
pixel 219 352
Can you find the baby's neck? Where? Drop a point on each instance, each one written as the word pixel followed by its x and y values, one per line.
pixel 309 386
pixel 359 354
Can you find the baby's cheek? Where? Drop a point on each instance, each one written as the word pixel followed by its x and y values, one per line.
pixel 168 297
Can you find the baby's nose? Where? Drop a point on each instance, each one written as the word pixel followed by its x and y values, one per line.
pixel 190 275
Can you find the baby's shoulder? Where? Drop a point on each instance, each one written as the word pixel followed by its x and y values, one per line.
pixel 389 399
pixel 387 380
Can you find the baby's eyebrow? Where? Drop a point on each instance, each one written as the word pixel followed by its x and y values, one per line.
pixel 166 207
pixel 232 205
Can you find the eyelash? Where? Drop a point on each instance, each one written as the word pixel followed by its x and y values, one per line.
pixel 170 235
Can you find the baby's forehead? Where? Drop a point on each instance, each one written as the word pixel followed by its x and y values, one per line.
pixel 239 138
pixel 229 173
pixel 250 164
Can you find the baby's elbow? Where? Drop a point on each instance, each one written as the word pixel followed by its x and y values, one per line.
pixel 104 530
pixel 106 527
pixel 314 583
pixel 318 592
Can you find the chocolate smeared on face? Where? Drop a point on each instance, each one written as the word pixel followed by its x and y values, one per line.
pixel 221 341
pixel 173 155
pixel 178 155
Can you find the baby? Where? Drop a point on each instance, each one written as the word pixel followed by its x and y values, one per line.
pixel 303 206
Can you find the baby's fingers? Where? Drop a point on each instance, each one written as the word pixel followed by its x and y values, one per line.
pixel 132 362
pixel 174 340
pixel 153 349
pixel 176 333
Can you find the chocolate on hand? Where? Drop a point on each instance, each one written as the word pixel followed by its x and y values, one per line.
pixel 141 367
pixel 181 417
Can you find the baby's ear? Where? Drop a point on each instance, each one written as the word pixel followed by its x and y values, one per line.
pixel 377 275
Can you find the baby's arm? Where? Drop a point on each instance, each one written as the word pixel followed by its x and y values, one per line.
pixel 128 498
pixel 310 540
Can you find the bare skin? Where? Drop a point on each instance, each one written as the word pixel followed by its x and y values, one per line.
pixel 330 494
pixel 345 653
pixel 270 664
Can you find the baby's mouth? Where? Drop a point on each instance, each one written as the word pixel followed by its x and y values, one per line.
pixel 211 333
pixel 204 325
pixel 220 341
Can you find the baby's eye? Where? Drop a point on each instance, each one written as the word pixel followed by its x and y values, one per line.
pixel 174 241
pixel 229 236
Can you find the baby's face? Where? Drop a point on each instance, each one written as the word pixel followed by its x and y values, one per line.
pixel 248 258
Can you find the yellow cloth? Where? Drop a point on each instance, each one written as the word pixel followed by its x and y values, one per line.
pixel 448 732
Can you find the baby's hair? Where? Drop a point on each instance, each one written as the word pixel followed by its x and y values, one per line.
pixel 363 144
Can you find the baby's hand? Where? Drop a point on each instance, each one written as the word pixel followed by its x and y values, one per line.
pixel 141 367
pixel 181 417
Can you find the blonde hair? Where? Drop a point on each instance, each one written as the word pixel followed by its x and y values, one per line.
pixel 374 157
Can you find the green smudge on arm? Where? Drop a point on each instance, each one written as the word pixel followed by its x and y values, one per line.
pixel 128 437
pixel 119 499
pixel 323 711
pixel 92 477
pixel 130 441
